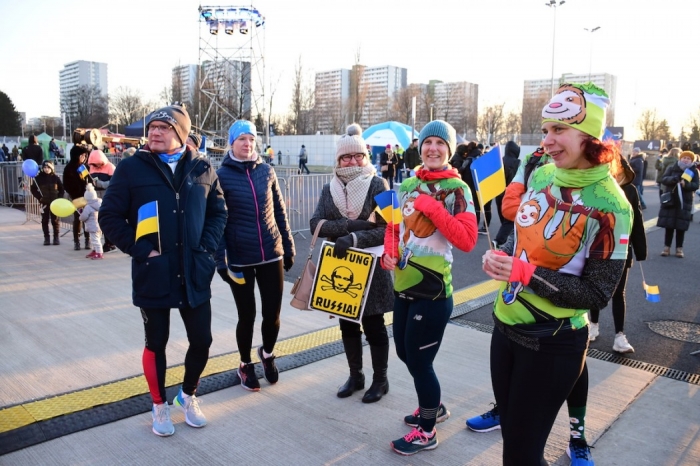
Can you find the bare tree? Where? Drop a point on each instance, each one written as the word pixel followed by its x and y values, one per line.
pixel 301 108
pixel 87 107
pixel 358 90
pixel 652 127
pixel 491 123
pixel 125 106
pixel 694 125
pixel 511 127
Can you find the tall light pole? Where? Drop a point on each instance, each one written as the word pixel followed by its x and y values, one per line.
pixel 590 59
pixel 553 4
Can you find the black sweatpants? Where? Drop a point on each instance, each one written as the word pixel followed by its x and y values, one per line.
pixel 530 387
pixel 156 323
pixel 270 278
pixel 46 216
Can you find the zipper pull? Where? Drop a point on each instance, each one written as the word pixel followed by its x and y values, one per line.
pixel 177 196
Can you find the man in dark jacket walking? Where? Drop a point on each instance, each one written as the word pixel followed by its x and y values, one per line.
pixel 33 151
pixel 164 208
pixel 411 156
pixel 637 164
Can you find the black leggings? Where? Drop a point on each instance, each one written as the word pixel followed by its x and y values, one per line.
pixel 530 387
pixel 486 210
pixel 46 216
pixel 680 236
pixel 270 278
pixel 76 228
pixel 619 306
pixel 419 326
pixel 374 328
pixel 156 323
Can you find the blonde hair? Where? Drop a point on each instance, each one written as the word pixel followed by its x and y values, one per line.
pixel 674 152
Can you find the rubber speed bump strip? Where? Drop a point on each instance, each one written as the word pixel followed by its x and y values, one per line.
pixel 41 420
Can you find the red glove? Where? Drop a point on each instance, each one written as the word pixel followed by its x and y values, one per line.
pixel 460 230
pixel 522 271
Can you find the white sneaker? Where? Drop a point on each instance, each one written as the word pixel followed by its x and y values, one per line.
pixel 621 344
pixel 162 425
pixel 190 406
pixel 593 332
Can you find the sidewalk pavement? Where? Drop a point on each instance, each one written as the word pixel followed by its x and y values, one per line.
pixel 69 324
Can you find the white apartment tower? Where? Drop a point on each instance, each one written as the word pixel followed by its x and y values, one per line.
pixel 81 73
pixel 184 84
pixel 457 103
pixel 332 90
pixel 379 84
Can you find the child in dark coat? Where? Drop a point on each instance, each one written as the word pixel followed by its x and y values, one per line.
pixel 47 188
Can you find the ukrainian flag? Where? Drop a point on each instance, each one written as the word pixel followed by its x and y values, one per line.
pixel 488 173
pixel 148 219
pixel 651 292
pixel 388 205
pixel 83 172
pixel 688 175
pixel 238 277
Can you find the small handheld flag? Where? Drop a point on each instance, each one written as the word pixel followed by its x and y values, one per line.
pixel 237 277
pixel 489 176
pixel 687 175
pixel 388 204
pixel 147 219
pixel 652 293
pixel 83 172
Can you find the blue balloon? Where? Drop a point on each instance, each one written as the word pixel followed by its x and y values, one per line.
pixel 30 168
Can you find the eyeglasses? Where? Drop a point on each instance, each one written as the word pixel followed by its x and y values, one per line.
pixel 160 128
pixel 349 157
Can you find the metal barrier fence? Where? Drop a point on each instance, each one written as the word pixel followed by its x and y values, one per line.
pixel 302 193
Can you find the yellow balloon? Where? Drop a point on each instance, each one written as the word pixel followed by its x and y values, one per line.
pixel 62 207
pixel 79 202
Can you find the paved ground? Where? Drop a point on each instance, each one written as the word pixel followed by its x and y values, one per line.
pixel 68 324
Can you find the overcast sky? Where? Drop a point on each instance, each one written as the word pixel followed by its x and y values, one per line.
pixel 650 46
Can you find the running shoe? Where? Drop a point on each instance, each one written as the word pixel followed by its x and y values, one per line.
pixel 270 371
pixel 249 379
pixel 486 422
pixel 580 453
pixel 162 425
pixel 413 419
pixel 415 441
pixel 190 406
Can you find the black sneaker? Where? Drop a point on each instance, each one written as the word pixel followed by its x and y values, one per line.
pixel 413 419
pixel 76 246
pixel 270 371
pixel 249 380
pixel 110 248
pixel 482 231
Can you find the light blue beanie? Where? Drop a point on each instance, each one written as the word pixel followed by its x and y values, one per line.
pixel 441 129
pixel 241 127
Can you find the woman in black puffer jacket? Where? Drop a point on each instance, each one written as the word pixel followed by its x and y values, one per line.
pixel 678 216
pixel 256 245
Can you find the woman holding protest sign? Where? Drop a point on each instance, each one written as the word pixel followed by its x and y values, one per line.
pixel 438 212
pixel 347 204
pixel 566 257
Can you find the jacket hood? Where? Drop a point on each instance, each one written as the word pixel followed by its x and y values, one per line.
pixel 99 163
pixel 76 152
pixel 628 174
pixel 512 149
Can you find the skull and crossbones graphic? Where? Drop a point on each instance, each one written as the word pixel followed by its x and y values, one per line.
pixel 341 280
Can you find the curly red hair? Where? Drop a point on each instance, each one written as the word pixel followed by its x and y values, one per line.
pixel 598 152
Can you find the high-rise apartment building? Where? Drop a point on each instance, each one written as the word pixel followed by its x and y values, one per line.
pixel 332 91
pixel 379 84
pixel 457 103
pixel 81 73
pixel 184 84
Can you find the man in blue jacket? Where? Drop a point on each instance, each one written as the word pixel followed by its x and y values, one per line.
pixel 164 208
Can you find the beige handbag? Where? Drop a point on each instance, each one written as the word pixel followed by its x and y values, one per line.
pixel 301 291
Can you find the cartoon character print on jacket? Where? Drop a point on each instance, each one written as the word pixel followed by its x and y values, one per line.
pixel 567 105
pixel 552 233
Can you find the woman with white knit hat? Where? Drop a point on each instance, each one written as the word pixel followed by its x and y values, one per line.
pixel 348 206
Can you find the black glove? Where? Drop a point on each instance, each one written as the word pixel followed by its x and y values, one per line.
pixel 359 225
pixel 224 274
pixel 341 246
pixel 288 262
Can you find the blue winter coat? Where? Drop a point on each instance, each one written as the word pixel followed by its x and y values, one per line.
pixel 191 218
pixel 257 229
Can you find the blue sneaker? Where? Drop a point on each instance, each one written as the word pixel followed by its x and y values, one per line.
pixel 415 441
pixel 486 422
pixel 580 453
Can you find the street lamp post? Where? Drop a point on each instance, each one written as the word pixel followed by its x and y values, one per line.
pixel 431 112
pixel 553 4
pixel 590 59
